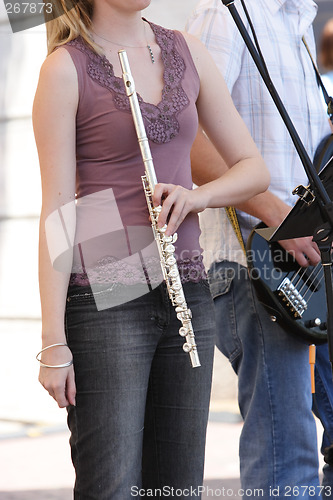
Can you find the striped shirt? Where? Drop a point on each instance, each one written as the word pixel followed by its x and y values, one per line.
pixel 279 25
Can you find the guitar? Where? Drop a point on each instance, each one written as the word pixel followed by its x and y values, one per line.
pixel 294 296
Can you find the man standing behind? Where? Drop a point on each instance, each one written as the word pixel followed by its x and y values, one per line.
pixel 278 445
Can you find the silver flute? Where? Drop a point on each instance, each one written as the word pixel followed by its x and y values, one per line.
pixel 164 243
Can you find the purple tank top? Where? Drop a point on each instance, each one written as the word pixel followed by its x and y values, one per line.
pixel 113 225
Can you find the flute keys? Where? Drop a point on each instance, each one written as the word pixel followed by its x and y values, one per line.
pixel 157 210
pixel 170 239
pixel 181 313
pixel 176 287
pixel 183 331
pixel 169 249
pixel 173 273
pixel 184 315
pixel 179 299
pixel 187 347
pixel 170 261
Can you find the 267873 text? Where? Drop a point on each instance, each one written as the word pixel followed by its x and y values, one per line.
pixel 28 7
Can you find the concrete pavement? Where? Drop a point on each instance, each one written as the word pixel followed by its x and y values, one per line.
pixel 39 468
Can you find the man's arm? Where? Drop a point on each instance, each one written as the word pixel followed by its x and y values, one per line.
pixel 266 206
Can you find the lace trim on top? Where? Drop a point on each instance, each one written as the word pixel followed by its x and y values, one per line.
pixel 160 121
pixel 112 271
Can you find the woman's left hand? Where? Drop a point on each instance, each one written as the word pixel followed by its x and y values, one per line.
pixel 177 202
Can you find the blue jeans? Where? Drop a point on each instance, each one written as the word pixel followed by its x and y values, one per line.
pixel 141 410
pixel 323 407
pixel 278 444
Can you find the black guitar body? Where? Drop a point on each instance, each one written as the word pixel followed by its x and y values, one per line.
pixel 293 296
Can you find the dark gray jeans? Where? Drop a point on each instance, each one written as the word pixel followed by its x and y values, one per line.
pixel 141 409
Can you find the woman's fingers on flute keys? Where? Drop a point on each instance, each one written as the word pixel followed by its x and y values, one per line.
pixel 176 204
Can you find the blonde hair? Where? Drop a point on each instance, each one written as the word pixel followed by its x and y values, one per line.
pixel 68 20
pixel 326 45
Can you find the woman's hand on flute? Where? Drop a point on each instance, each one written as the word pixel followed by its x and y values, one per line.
pixel 177 202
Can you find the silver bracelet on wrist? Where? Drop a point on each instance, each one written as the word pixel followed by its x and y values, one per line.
pixel 64 365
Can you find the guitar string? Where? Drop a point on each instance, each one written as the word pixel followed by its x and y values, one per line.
pixel 304 273
pixel 305 270
pixel 313 278
pixel 301 268
pixel 301 273
pixel 318 268
pixel 317 285
pixel 313 275
pixel 308 277
pixel 295 275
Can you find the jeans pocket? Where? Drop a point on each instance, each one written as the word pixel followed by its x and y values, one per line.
pixel 220 284
pixel 221 277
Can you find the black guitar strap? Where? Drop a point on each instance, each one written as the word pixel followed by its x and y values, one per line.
pixel 328 99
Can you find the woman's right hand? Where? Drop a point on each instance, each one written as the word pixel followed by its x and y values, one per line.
pixel 59 382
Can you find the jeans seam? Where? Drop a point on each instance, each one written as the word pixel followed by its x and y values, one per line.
pixel 154 427
pixel 326 392
pixel 73 409
pixel 75 444
pixel 233 320
pixel 269 386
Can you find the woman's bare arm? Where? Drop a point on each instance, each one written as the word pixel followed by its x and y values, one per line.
pixel 54 114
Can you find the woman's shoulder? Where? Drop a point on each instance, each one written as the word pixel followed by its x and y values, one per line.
pixel 193 42
pixel 197 50
pixel 58 78
pixel 59 66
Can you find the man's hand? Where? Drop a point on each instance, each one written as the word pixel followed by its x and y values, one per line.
pixel 272 211
pixel 304 250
